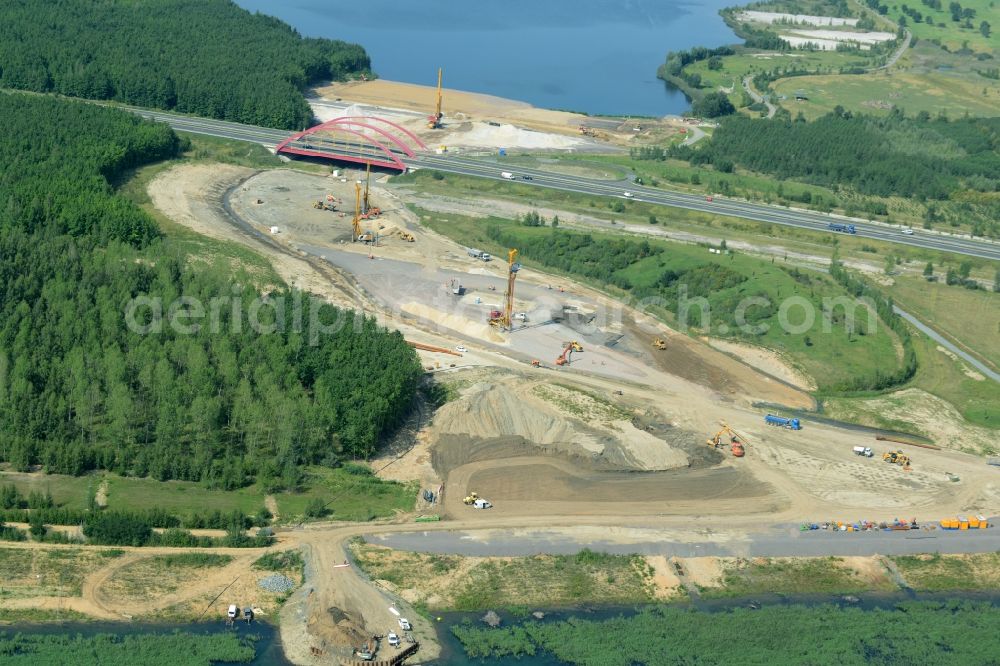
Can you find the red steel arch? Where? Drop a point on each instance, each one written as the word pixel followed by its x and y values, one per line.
pixel 416 139
pixel 345 124
pixel 393 159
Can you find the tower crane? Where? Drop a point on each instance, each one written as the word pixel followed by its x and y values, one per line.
pixel 434 121
pixel 501 318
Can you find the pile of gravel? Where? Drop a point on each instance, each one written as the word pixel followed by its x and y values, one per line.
pixel 277 583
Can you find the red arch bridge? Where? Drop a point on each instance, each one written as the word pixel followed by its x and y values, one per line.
pixel 362 139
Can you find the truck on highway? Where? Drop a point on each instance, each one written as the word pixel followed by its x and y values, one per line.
pixel 841 227
pixel 863 451
pixel 507 174
pixel 781 421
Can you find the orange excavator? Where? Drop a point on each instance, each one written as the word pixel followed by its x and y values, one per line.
pixel 567 354
pixel 736 440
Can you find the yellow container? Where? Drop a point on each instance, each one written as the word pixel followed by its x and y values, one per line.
pixel 974 523
pixel 850 528
pixel 964 525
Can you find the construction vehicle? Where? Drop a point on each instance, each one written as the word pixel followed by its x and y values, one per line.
pixel 318 205
pixel 896 458
pixel 736 440
pixel 502 319
pixel 659 343
pixel 434 121
pixel 406 236
pixel 470 498
pixel 567 354
pixel 357 212
pixel 456 287
pixel 791 424
pixel 535 363
pixel 863 451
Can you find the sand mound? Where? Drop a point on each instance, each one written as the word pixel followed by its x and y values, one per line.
pixel 488 411
pixel 509 136
pixel 455 322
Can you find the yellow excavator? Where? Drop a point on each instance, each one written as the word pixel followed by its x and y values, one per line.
pixel 896 458
pixel 659 343
pixel 470 498
pixel 736 440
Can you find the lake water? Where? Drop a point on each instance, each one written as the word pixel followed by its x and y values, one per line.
pixel 595 56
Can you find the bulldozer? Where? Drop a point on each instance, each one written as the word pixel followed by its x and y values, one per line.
pixel 407 236
pixel 318 205
pixel 659 343
pixel 896 458
pixel 470 499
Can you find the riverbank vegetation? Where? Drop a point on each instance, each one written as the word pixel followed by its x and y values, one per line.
pixel 225 404
pixel 177 649
pixel 908 633
pixel 203 57
pixel 449 582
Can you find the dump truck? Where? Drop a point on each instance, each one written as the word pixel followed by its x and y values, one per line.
pixel 781 421
pixel 863 451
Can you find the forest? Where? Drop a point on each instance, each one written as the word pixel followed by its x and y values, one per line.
pixel 225 403
pixel 205 57
pixel 896 155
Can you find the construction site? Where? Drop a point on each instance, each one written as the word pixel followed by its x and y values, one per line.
pixel 567 409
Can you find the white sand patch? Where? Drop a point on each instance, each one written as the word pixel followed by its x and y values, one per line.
pixel 508 136
pixel 827 40
pixel 969 372
pixel 802 19
pixel 456 322
pixel 767 360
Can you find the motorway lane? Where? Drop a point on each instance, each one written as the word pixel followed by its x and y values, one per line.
pixel 720 206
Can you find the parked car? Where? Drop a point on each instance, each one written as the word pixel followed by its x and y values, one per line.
pixel 461 348
pixel 393 639
pixel 404 624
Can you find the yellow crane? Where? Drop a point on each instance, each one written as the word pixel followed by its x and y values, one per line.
pixel 368 182
pixel 501 318
pixel 434 121
pixel 357 212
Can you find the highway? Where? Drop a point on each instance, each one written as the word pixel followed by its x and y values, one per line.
pixel 802 219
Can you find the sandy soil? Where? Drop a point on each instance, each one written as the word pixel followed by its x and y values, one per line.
pixel 766 361
pixel 457 106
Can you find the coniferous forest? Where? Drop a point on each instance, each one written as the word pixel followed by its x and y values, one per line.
pixel 81 390
pixel 205 57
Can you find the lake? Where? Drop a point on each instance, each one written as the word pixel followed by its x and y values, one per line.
pixel 595 56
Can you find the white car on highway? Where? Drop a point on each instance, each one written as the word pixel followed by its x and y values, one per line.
pixel 627 195
pixel 908 231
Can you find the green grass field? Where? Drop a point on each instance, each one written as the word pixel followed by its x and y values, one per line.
pixel 876 94
pixel 355 497
pixel 831 357
pixel 826 575
pixel 935 573
pixel 179 497
pixel 950 33
pixel 969 318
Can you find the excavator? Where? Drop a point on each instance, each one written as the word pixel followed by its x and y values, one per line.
pixel 659 343
pixel 434 120
pixel 567 354
pixel 736 440
pixel 470 498
pixel 896 458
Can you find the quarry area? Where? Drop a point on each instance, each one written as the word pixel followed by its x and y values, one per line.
pixel 573 421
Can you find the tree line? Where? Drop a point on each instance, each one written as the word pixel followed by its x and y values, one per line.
pixel 205 57
pixel 917 157
pixel 80 389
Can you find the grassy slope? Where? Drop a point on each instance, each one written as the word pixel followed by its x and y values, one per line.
pixel 935 573
pixel 826 575
pixel 831 357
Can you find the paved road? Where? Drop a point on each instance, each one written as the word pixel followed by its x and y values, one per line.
pixel 490 169
pixel 944 342
pixel 782 541
pixel 899 52
pixel 757 97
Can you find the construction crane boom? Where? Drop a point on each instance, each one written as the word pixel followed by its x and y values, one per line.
pixel 357 211
pixel 434 121
pixel 502 318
